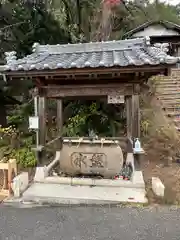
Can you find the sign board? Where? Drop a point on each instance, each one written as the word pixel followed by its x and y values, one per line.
pixel 34 122
pixel 115 99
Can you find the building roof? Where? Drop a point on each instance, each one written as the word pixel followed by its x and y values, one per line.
pixel 124 53
pixel 166 24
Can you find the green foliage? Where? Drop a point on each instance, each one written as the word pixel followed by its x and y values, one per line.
pixel 67 21
pixel 25 157
pixel 36 25
pixel 103 119
pixel 18 116
pixel 13 145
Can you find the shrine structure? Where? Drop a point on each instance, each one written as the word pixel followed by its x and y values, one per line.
pixel 113 69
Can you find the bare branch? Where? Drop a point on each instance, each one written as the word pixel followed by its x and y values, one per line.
pixel 12 25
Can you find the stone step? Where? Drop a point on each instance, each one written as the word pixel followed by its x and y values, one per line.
pixel 168 86
pixel 171 102
pixel 168 81
pixel 177 123
pixel 168 97
pixel 177 120
pixel 173 113
pixel 168 91
pixel 177 128
pixel 175 72
pixel 171 109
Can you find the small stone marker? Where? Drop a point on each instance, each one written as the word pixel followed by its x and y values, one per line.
pixel 158 187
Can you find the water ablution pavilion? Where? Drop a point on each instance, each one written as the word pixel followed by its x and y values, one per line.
pixel 115 70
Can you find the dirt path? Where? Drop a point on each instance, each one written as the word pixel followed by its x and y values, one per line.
pixel 169 175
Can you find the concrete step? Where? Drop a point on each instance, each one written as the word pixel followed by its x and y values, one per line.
pixel 136 181
pixel 66 194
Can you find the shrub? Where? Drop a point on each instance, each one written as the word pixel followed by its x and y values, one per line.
pixel 13 145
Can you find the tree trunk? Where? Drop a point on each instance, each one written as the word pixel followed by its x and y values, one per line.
pixel 78 4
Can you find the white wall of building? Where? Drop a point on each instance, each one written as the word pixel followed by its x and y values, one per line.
pixel 155 30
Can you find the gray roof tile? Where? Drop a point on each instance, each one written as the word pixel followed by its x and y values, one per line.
pixel 133 52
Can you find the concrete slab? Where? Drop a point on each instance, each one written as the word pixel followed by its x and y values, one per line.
pixel 136 182
pixel 66 194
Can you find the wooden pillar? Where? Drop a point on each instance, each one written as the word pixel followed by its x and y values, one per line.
pixel 42 120
pixel 135 117
pixel 129 116
pixel 136 127
pixel 60 119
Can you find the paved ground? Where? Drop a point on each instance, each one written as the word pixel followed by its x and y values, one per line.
pixel 92 223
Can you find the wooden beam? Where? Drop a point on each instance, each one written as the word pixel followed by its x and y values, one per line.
pixel 135 116
pixel 86 90
pixel 146 68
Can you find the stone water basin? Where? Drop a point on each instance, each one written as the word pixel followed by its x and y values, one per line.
pixel 86 157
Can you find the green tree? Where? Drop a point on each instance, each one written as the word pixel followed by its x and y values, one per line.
pixel 36 25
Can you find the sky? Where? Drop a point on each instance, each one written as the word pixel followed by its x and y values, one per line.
pixel 174 2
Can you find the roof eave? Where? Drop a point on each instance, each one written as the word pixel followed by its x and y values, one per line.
pixel 56 72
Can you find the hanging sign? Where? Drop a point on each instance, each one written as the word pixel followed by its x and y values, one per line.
pixel 115 99
pixel 34 122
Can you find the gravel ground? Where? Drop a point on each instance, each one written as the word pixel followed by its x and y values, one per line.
pixel 89 223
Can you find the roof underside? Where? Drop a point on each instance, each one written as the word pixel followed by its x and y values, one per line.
pixel 125 53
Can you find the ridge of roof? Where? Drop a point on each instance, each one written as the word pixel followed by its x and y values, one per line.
pixel 90 46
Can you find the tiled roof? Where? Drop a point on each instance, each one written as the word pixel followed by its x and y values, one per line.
pixel 132 52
